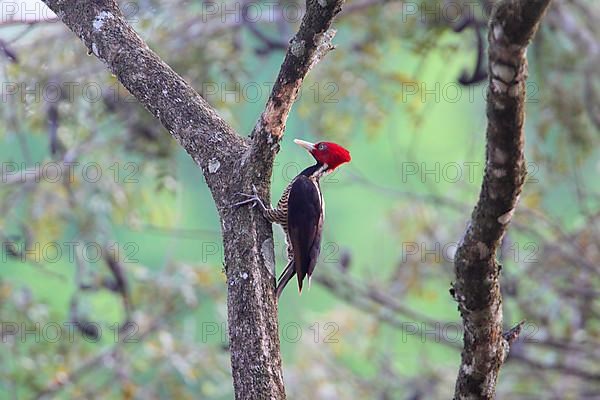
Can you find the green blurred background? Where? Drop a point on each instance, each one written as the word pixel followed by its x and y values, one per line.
pixel 390 94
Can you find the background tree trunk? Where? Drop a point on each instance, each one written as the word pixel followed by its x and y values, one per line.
pixel 477 289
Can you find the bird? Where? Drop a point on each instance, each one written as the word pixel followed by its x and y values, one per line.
pixel 301 210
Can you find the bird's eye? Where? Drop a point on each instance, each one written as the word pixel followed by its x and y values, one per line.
pixel 321 147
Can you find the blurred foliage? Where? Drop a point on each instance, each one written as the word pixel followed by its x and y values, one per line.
pixel 390 93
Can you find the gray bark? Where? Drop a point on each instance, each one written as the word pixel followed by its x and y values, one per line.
pixel 477 289
pixel 229 163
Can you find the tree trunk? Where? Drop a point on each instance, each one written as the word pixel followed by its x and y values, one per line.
pixel 230 163
pixel 477 288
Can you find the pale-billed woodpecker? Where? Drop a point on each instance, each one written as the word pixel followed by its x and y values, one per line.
pixel 301 210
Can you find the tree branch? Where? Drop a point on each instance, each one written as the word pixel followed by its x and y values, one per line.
pixel 186 115
pixel 307 47
pixel 27 21
pixel 76 373
pixel 477 290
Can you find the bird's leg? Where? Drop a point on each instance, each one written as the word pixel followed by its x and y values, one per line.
pixel 251 198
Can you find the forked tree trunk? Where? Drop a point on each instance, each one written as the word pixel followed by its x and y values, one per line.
pixel 230 164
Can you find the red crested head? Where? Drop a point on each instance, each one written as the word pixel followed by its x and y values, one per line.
pixel 331 154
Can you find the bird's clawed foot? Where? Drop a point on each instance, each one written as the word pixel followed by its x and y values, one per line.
pixel 250 198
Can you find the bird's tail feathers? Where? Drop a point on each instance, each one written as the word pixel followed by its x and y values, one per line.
pixel 287 274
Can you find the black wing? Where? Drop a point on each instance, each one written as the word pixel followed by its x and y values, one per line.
pixel 305 221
